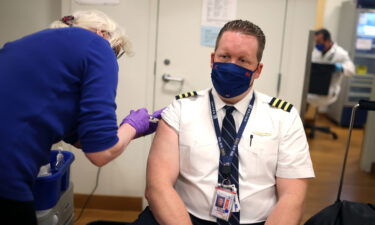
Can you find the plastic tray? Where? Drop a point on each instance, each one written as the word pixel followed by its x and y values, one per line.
pixel 48 189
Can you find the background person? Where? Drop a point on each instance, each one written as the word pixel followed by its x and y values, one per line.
pixel 326 51
pixel 60 84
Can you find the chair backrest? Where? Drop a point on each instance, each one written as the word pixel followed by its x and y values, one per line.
pixel 320 78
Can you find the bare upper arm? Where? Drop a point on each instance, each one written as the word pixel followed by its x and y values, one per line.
pixel 294 188
pixel 163 161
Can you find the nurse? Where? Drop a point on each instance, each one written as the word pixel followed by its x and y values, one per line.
pixel 60 84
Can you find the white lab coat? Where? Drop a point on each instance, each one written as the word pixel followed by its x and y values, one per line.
pixel 335 55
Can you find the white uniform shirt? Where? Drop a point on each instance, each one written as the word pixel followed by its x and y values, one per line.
pixel 335 54
pixel 278 149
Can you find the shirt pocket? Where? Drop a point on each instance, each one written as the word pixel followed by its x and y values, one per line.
pixel 262 144
pixel 259 155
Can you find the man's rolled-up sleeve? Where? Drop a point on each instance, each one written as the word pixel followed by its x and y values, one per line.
pixel 294 157
pixel 172 114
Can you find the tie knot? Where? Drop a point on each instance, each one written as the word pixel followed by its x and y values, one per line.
pixel 229 109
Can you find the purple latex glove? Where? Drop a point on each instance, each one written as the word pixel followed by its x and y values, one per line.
pixel 157 113
pixel 154 123
pixel 139 120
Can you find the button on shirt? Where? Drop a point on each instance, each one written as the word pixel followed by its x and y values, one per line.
pixel 273 145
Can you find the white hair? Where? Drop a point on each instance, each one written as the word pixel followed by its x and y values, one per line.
pixel 98 21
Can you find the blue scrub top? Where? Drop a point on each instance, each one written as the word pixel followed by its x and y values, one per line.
pixel 56 84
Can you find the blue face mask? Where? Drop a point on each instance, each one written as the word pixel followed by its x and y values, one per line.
pixel 320 47
pixel 230 80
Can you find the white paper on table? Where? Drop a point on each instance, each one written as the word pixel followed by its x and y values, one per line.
pixel 363 44
pixel 97 2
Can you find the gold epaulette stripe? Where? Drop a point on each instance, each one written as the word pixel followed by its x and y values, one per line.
pixel 272 101
pixel 275 101
pixel 290 106
pixel 281 104
pixel 187 94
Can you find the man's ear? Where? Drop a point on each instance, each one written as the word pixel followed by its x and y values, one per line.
pixel 212 58
pixel 257 73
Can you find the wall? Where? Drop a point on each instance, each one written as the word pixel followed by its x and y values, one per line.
pixel 298 24
pixel 368 151
pixel 332 15
pixel 320 13
pixel 20 17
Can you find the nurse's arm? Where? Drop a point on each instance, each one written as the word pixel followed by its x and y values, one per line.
pixel 125 134
pixel 162 173
pixel 291 196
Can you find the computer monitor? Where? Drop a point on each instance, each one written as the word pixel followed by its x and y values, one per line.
pixel 366 4
pixel 320 78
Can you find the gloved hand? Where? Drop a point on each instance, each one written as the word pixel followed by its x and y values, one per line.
pixel 157 113
pixel 339 67
pixel 154 123
pixel 139 120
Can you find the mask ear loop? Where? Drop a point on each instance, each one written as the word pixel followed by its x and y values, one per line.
pixel 68 20
pixel 256 67
pixel 253 73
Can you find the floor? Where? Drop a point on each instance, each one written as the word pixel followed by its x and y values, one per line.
pixel 94 214
pixel 327 156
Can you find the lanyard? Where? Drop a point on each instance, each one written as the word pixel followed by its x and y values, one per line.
pixel 227 158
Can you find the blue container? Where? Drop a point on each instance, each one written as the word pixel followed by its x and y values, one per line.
pixel 48 189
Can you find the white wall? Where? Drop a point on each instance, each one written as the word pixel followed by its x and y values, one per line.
pixel 332 15
pixel 19 17
pixel 368 153
pixel 300 20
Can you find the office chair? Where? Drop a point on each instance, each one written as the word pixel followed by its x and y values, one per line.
pixel 322 92
pixel 313 128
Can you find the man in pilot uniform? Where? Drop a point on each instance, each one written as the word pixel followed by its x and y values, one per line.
pixel 229 141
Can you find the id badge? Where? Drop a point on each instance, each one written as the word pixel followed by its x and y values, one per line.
pixel 223 202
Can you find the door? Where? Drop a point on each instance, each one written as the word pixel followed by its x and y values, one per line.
pixel 181 57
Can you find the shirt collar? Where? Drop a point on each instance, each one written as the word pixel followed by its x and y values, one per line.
pixel 240 106
pixel 331 51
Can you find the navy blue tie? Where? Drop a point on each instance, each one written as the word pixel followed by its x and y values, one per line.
pixel 228 134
